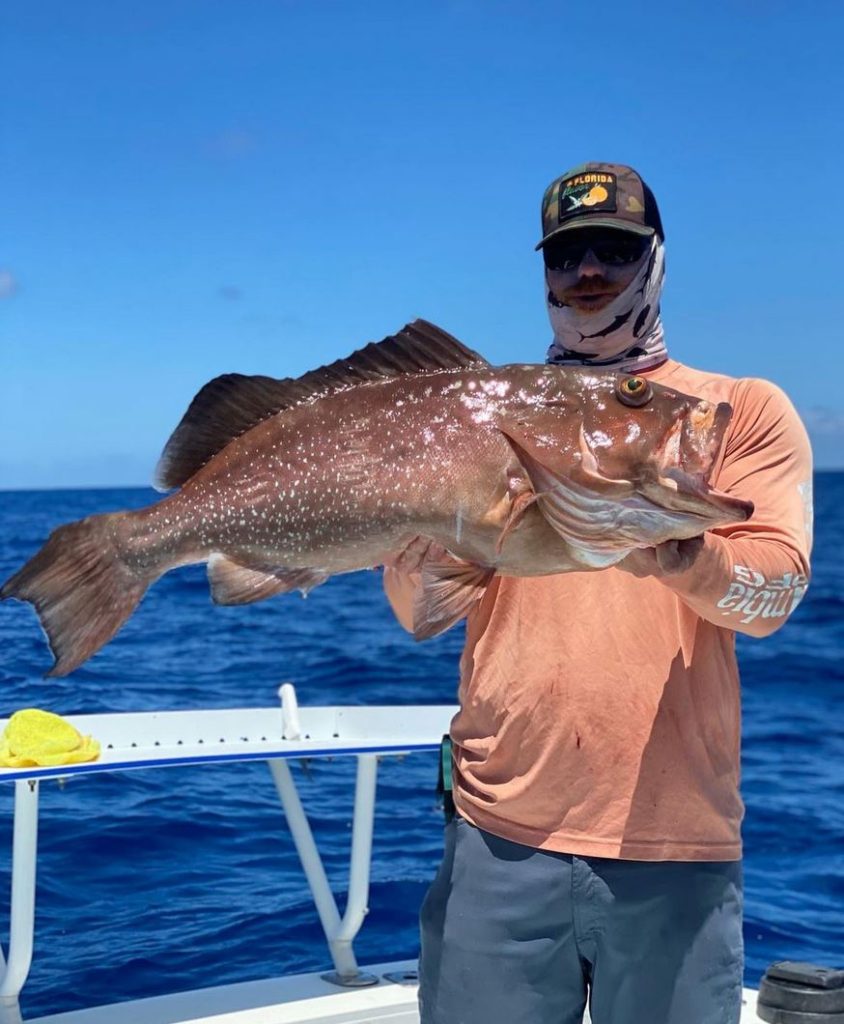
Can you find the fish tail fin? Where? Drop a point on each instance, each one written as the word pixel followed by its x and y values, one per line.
pixel 81 588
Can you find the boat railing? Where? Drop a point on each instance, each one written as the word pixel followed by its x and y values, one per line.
pixel 159 739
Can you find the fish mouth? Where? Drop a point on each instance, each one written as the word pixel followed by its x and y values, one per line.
pixel 683 462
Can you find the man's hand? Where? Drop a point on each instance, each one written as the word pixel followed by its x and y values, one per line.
pixel 668 559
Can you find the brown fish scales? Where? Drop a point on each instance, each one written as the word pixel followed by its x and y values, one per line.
pixel 521 470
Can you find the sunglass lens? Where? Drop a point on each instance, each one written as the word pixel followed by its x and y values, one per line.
pixel 622 250
pixel 615 249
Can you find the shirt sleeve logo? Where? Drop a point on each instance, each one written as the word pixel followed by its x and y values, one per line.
pixel 752 594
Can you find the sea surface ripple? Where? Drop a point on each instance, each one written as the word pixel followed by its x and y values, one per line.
pixel 156 881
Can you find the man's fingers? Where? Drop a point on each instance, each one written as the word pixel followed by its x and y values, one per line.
pixel 668 556
pixel 640 563
pixel 676 556
pixel 666 559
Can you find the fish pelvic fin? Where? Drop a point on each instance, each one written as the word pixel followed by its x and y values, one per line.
pixel 232 404
pixel 233 583
pixel 81 589
pixel 449 590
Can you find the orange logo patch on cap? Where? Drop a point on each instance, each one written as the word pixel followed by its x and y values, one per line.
pixel 590 191
pixel 596 194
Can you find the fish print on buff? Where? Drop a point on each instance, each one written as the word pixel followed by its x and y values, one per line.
pixel 521 470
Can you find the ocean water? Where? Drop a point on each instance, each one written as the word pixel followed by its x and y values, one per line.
pixel 155 881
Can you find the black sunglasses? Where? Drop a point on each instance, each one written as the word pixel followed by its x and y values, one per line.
pixel 612 248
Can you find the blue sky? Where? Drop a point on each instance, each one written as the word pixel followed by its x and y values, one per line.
pixel 191 188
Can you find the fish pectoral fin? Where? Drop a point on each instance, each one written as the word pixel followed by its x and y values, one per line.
pixel 233 583
pixel 449 589
pixel 518 506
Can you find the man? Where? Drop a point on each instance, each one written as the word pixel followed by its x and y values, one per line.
pixel 596 849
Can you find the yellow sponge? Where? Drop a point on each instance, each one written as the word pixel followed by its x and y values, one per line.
pixel 39 738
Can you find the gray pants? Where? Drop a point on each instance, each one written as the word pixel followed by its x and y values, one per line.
pixel 513 935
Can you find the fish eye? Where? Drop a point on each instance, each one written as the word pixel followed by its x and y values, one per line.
pixel 634 391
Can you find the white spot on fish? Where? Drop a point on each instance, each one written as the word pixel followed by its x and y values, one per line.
pixel 496 387
pixel 598 439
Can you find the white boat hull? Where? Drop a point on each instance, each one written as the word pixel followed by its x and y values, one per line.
pixel 296 999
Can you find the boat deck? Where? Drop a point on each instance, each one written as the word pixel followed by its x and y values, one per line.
pixel 291 1000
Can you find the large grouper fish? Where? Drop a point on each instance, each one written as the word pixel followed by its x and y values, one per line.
pixel 521 470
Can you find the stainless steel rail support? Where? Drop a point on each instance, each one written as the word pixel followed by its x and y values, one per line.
pixel 340 932
pixel 22 916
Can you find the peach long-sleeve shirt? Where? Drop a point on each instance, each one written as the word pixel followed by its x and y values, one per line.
pixel 600 712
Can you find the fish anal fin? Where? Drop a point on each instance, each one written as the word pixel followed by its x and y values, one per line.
pixel 230 405
pixel 449 589
pixel 233 583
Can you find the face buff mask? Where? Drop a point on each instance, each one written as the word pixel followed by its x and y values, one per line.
pixel 626 335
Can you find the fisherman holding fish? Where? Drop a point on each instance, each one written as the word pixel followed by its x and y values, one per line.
pixel 606 522
pixel 595 852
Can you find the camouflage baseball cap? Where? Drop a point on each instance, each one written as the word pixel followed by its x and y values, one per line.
pixel 599 195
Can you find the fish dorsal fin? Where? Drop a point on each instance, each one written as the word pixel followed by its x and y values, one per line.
pixel 230 405
pixel 419 347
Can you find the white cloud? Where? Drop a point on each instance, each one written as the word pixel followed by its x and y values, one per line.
pixel 822 420
pixel 826 432
pixel 8 284
pixel 232 144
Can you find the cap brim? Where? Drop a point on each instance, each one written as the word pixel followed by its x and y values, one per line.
pixel 590 221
